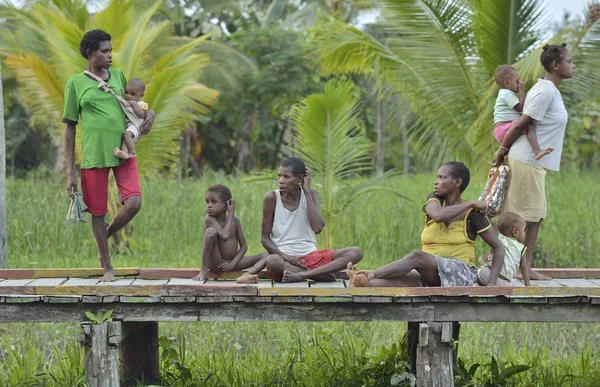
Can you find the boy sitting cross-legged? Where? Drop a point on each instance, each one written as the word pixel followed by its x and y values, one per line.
pixel 223 235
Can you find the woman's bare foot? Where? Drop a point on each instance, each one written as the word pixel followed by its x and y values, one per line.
pixel 109 276
pixel 120 154
pixel 361 279
pixel 202 276
pixel 290 276
pixel 247 278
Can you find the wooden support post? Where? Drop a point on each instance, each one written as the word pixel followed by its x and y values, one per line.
pixel 101 343
pixel 139 353
pixel 412 332
pixel 435 355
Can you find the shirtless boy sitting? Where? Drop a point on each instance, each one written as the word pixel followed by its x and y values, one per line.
pixel 224 243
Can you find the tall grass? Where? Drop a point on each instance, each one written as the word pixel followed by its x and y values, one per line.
pixel 167 233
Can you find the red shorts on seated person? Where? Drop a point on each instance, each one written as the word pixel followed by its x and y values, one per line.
pixel 94 185
pixel 312 260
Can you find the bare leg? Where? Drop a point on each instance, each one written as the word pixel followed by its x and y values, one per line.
pixel 278 266
pixel 130 209
pixel 99 229
pixel 127 150
pixel 531 234
pixel 251 261
pixel 210 251
pixel 533 141
pixel 340 261
pixel 251 276
pixel 420 261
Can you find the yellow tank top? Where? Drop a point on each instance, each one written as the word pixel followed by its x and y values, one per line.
pixel 449 242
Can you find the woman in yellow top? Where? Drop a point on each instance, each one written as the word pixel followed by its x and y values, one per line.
pixel 448 240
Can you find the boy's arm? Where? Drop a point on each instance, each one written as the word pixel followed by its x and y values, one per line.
pixel 440 214
pixel 490 236
pixel 139 111
pixel 315 218
pixel 267 226
pixel 525 267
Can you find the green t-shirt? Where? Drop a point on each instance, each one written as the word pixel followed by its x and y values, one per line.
pixel 102 120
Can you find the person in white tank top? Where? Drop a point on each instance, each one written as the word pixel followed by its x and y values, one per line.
pixel 291 218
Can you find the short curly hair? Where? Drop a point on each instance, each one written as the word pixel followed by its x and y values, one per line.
pixel 91 41
pixel 222 191
pixel 460 171
pixel 552 53
pixel 502 73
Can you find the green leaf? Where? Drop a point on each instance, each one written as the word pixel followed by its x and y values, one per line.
pixel 513 370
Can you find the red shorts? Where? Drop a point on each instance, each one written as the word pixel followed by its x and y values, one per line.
pixel 312 261
pixel 94 184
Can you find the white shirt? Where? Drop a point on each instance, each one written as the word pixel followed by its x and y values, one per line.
pixel 513 251
pixel 545 106
pixel 291 230
pixel 504 109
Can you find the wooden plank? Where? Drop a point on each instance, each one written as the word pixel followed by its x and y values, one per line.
pixel 333 299
pixel 517 312
pixel 252 299
pixel 47 282
pixel 214 299
pixel 479 299
pixel 291 285
pixel 546 284
pixel 110 299
pixel 62 299
pixel 326 285
pixel 64 272
pixel 263 284
pixel 102 289
pixel 361 299
pixel 381 300
pixel 117 283
pixel 177 299
pixel 596 281
pixel 92 299
pixel 569 272
pixel 15 282
pixel 160 273
pixel 21 299
pixel 291 300
pixel 595 300
pixel 144 282
pixel 82 282
pixel 139 300
pixel 209 289
pixel 528 300
pixel 576 282
pixel 183 281
pixel 564 300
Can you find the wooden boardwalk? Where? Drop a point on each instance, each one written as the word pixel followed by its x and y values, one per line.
pixel 36 295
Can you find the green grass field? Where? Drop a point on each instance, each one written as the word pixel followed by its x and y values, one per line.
pixel 167 233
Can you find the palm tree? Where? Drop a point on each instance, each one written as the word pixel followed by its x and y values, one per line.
pixel 330 137
pixel 441 54
pixel 43 51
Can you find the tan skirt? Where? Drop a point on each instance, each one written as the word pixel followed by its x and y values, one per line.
pixel 526 194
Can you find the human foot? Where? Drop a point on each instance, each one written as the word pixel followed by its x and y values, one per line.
pixel 542 152
pixel 247 278
pixel 361 279
pixel 120 154
pixel 351 272
pixel 202 276
pixel 109 276
pixel 290 276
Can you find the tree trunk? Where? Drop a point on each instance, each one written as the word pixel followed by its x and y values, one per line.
pixel 380 137
pixel 3 236
pixel 245 161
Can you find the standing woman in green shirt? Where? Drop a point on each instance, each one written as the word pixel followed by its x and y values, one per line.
pixel 103 123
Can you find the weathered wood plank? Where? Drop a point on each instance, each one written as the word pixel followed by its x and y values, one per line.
pixel 92 299
pixel 336 299
pixel 82 282
pixel 545 284
pixel 139 300
pixel 183 281
pixel 596 281
pixel 15 282
pixel 209 289
pixel 158 273
pixel 326 285
pixel 434 355
pixel 291 300
pixel 291 285
pixel 47 282
pixel 102 289
pixel 263 284
pixel 569 272
pixel 361 299
pixel 528 300
pixel 101 355
pixel 62 299
pixel 517 312
pixel 21 299
pixel 177 299
pixel 213 299
pixel 65 272
pixel 252 299
pixel 576 282
pixel 118 282
pixel 144 282
pixel 564 300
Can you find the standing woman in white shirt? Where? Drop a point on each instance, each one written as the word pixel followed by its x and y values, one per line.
pixel 545 109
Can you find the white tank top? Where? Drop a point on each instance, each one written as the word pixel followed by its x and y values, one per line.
pixel 291 229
